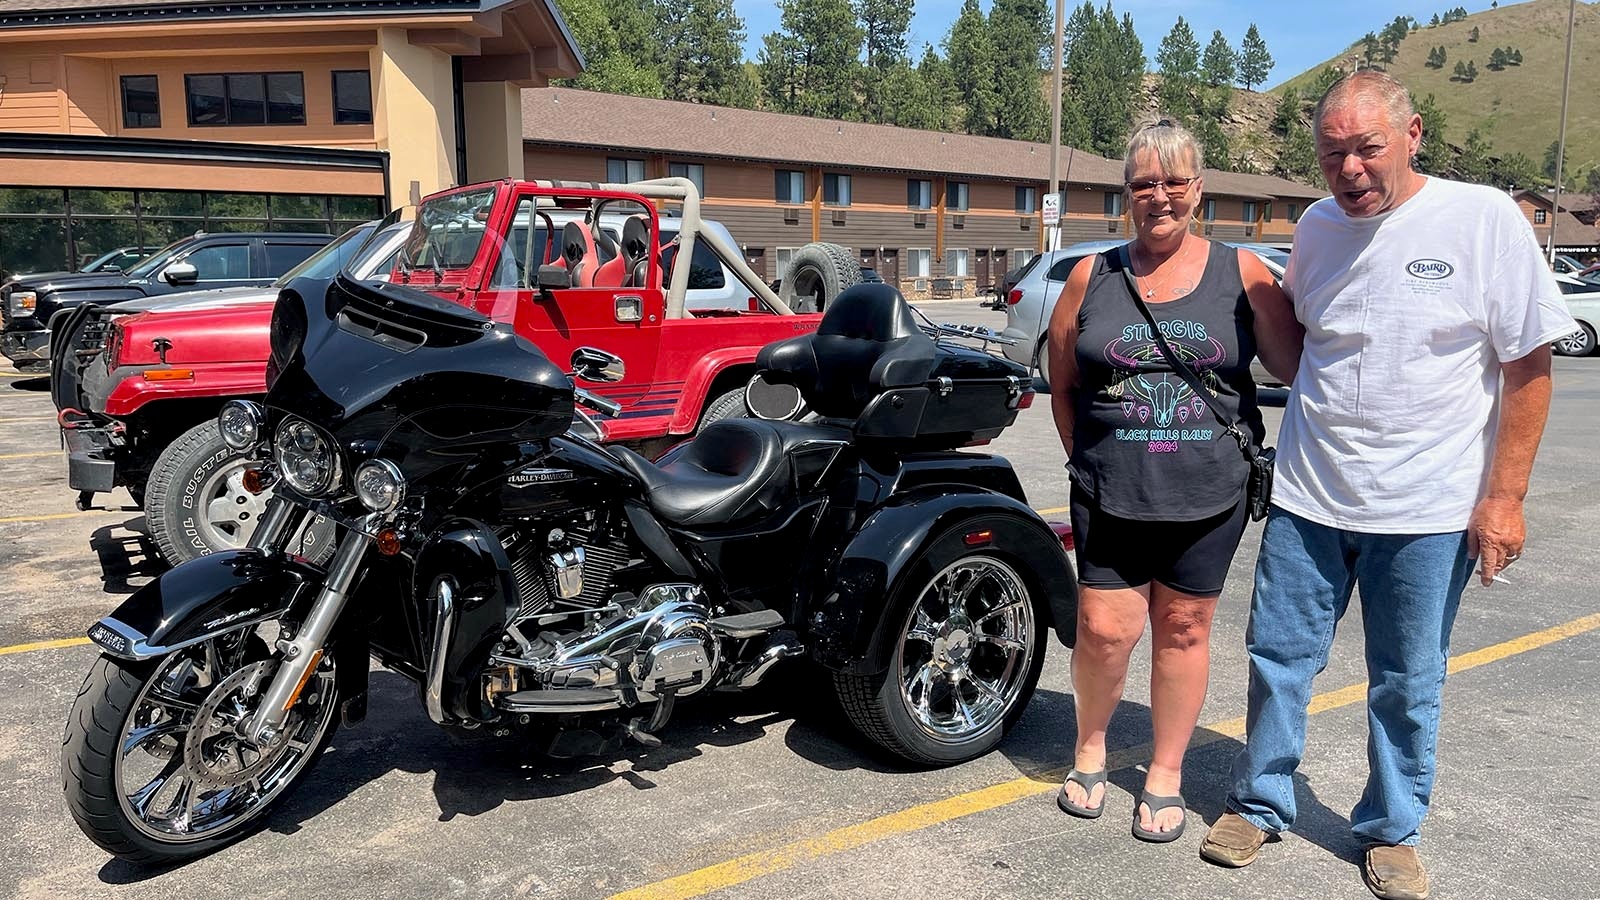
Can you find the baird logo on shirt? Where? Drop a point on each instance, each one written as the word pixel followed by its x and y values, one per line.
pixel 1431 269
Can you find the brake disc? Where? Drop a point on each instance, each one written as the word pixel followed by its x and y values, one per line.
pixel 214 754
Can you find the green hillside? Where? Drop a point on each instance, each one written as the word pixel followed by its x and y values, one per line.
pixel 1517 109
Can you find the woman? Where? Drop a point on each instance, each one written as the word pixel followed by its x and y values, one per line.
pixel 1158 488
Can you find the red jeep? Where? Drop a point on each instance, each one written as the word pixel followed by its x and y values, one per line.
pixel 567 265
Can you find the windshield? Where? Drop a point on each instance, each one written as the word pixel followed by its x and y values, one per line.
pixel 108 257
pixel 331 258
pixel 157 259
pixel 447 231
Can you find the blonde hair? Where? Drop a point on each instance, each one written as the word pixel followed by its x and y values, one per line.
pixel 1176 149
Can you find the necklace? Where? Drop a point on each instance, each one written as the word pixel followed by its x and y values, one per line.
pixel 1176 261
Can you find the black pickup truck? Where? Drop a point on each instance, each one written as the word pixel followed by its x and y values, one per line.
pixel 199 262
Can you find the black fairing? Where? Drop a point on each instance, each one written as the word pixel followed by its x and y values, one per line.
pixel 428 381
pixel 222 588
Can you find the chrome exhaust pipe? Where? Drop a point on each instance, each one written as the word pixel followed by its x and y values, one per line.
pixel 751 673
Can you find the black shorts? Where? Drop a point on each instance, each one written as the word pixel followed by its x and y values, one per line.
pixel 1192 557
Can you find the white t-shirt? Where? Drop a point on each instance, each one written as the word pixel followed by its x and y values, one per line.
pixel 1389 426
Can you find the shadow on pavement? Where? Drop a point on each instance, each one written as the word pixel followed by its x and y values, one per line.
pixel 34 385
pixel 125 552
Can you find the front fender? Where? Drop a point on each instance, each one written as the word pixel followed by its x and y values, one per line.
pixel 202 598
pixel 856 626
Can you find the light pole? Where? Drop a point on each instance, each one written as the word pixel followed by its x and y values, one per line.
pixel 1054 240
pixel 1561 140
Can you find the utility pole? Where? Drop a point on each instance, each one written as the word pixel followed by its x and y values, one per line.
pixel 1561 140
pixel 1054 241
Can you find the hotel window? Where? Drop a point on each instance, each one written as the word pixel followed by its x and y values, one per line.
pixel 1539 217
pixel 919 193
pixel 252 98
pixel 836 189
pixel 1249 211
pixel 955 196
pixel 141 102
pixel 695 172
pixel 791 186
pixel 1027 200
pixel 1211 211
pixel 955 262
pixel 919 262
pixel 1113 203
pixel 1294 212
pixel 621 171
pixel 1020 257
pixel 352 97
pixel 1266 211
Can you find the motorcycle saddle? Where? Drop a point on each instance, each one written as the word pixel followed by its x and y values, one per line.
pixel 736 471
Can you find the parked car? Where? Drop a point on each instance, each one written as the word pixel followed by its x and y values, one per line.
pixel 137 416
pixel 1030 302
pixel 1583 301
pixel 28 304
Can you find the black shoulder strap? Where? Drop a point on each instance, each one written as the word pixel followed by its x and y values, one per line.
pixel 1178 365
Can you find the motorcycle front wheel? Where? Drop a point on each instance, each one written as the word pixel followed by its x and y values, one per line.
pixel 968 653
pixel 153 765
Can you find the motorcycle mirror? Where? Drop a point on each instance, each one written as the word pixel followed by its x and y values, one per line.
pixel 594 364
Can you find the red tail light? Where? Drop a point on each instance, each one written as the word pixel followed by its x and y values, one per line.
pixel 1026 400
pixel 1063 531
pixel 1014 297
pixel 978 538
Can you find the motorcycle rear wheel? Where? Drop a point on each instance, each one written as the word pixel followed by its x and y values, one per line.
pixel 968 654
pixel 173 716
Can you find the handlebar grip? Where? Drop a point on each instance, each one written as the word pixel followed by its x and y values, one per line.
pixel 608 408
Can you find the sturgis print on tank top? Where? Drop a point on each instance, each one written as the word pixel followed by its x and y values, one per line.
pixel 1158 408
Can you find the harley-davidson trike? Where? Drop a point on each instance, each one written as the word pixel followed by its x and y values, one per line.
pixel 538 585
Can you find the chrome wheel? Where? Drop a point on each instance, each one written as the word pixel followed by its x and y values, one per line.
pixel 1578 343
pixel 966 649
pixel 182 772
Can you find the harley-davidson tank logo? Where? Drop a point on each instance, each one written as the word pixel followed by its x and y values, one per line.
pixel 529 477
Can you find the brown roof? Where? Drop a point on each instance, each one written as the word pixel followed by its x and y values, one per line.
pixel 567 117
pixel 1571 232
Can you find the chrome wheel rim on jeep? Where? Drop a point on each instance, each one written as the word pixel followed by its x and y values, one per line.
pixel 965 649
pixel 231 512
pixel 182 772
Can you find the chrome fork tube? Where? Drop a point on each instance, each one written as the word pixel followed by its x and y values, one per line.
pixel 296 655
pixel 278 521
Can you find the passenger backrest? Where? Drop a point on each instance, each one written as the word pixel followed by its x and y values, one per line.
pixel 868 342
pixel 636 252
pixel 579 254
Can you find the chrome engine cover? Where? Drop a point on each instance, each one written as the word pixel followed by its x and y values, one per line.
pixel 665 644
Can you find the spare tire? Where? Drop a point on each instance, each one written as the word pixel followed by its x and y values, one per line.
pixel 816 274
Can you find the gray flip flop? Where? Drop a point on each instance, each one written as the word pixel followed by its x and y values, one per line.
pixel 1155 805
pixel 1087 781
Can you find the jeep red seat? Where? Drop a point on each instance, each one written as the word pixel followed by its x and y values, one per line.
pixel 636 252
pixel 578 254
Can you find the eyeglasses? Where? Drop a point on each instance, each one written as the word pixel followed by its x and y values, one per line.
pixel 1175 187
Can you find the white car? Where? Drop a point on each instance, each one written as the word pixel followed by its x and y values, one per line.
pixel 1583 301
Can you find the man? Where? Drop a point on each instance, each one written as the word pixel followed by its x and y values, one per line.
pixel 1405 452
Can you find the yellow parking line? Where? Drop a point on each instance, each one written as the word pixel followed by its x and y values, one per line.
pixel 10 520
pixel 1053 510
pixel 44 645
pixel 766 862
pixel 27 419
pixel 28 455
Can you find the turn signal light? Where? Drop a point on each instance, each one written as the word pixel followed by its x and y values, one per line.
pixel 169 375
pixel 388 542
pixel 978 538
pixel 254 480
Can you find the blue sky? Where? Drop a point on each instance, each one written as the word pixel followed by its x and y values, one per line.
pixel 1297 36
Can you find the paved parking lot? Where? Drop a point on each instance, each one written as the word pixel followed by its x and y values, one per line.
pixel 770 795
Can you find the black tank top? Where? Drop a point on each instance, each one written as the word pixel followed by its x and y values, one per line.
pixel 1143 445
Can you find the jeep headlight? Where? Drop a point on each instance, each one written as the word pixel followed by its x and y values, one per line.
pixel 24 303
pixel 240 424
pixel 307 460
pixel 380 485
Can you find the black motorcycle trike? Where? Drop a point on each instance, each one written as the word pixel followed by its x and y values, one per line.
pixel 534 583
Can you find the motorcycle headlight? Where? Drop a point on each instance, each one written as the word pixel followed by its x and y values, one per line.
pixel 380 485
pixel 24 303
pixel 307 461
pixel 240 424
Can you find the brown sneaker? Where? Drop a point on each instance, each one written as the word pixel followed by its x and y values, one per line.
pixel 1395 873
pixel 1232 842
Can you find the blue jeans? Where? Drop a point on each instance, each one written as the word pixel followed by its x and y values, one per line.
pixel 1410 585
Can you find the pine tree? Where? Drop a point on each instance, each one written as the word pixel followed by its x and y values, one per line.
pixel 1549 168
pixel 1214 147
pixel 609 68
pixel 1497 59
pixel 1218 63
pixel 884 23
pixel 1433 157
pixel 1472 71
pixel 701 43
pixel 970 51
pixel 809 66
pixel 1460 71
pixel 1298 158
pixel 1370 51
pixel 1433 58
pixel 1021 30
pixel 1179 65
pixel 1472 36
pixel 1472 163
pixel 1516 171
pixel 1103 62
pixel 1325 79
pixel 1443 57
pixel 1516 57
pixel 1435 22
pixel 1254 60
pixel 1287 113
